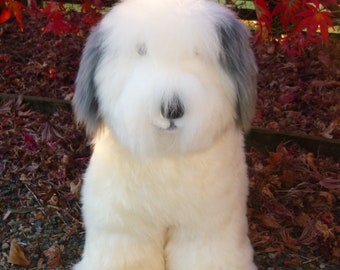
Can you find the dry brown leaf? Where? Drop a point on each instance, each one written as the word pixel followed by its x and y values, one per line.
pixel 329 197
pixel 309 234
pixel 324 230
pixel 302 219
pixel 311 162
pixel 275 158
pixel 53 255
pixel 336 252
pixel 330 183
pixel 288 240
pixel 293 261
pixel 288 177
pixel 16 255
pixel 39 216
pixel 260 240
pixel 273 249
pixel 75 188
pixel 54 200
pixel 269 221
pixel 266 191
pixel 40 263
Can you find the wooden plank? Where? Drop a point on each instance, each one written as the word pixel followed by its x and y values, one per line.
pixel 267 140
pixel 42 104
pixel 264 140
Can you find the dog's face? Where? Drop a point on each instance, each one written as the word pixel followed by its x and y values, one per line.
pixel 166 77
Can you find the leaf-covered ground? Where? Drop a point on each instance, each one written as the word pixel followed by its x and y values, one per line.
pixel 294 198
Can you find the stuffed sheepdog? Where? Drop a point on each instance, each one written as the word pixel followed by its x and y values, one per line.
pixel 166 89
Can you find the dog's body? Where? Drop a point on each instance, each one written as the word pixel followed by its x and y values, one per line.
pixel 166 87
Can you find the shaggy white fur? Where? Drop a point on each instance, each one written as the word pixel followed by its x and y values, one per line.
pixel 166 88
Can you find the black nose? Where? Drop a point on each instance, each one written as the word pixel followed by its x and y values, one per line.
pixel 172 109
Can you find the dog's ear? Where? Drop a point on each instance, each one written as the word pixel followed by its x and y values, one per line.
pixel 238 61
pixel 85 103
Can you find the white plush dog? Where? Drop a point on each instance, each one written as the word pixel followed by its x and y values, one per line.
pixel 167 89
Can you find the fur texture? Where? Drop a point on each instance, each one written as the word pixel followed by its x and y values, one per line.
pixel 166 88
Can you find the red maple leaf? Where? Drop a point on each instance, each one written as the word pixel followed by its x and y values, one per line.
pixel 55 16
pixel 30 143
pixel 91 5
pixel 5 14
pixel 10 7
pixel 263 14
pixel 91 9
pixel 313 19
pixel 287 9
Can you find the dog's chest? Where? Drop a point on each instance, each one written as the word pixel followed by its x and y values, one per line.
pixel 164 190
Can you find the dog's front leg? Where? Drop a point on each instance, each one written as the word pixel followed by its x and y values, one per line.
pixel 119 233
pixel 107 250
pixel 206 246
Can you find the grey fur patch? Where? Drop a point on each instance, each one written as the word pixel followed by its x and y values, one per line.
pixel 85 102
pixel 239 62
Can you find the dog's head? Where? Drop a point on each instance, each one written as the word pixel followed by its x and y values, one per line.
pixel 166 76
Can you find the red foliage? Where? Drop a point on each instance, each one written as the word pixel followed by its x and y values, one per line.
pixel 314 17
pixel 58 20
pixel 295 16
pixel 9 7
pixel 56 14
pixel 55 19
pixel 263 14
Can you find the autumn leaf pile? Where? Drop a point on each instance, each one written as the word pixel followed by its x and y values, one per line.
pixel 294 194
pixel 294 207
pixel 284 19
pixel 299 94
pixel 42 158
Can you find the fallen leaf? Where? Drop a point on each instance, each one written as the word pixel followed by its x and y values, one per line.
pixel 288 240
pixel 276 249
pixel 287 97
pixel 336 252
pixel 30 142
pixel 269 221
pixel 16 255
pixel 302 219
pixel 288 177
pixel 329 197
pixel 275 158
pixel 75 188
pixel 333 126
pixel 324 230
pixel 294 261
pixel 266 191
pixel 54 200
pixel 309 234
pixel 318 83
pixel 311 162
pixel 7 214
pixel 40 263
pixel 330 183
pixel 53 255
